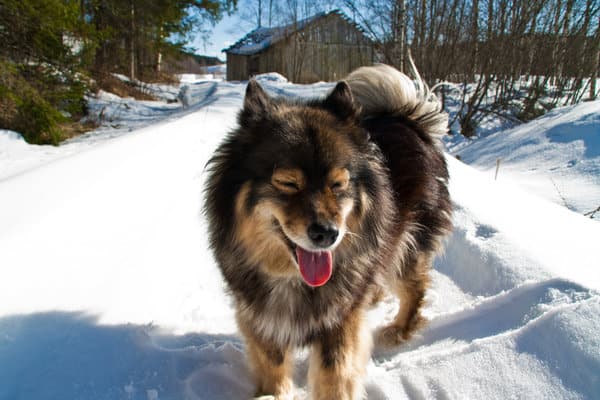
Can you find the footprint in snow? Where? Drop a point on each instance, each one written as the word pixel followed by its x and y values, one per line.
pixel 485 232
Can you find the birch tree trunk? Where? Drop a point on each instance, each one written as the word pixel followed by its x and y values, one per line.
pixel 396 25
pixel 595 68
pixel 475 39
pixel 401 33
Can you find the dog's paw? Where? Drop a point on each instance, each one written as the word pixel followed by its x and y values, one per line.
pixel 394 335
pixel 389 336
pixel 376 297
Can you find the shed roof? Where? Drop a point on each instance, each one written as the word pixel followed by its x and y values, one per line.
pixel 262 38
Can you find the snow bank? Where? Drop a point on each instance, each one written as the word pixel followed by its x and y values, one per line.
pixel 271 77
pixel 520 235
pixel 17 156
pixel 220 69
pixel 10 141
pixel 115 116
pixel 556 156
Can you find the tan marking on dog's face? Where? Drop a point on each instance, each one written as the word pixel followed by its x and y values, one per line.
pixel 261 239
pixel 338 180
pixel 355 220
pixel 288 180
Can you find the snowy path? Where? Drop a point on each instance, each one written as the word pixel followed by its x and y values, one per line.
pixel 108 290
pixel 116 116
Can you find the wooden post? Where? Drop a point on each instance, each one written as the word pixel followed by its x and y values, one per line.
pixel 497 168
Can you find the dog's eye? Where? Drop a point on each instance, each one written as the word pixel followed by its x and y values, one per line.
pixel 290 185
pixel 287 186
pixel 338 186
pixel 338 179
pixel 288 180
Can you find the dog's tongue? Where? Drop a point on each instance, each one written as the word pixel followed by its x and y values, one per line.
pixel 315 267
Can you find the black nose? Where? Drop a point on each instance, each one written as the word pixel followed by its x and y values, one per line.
pixel 321 235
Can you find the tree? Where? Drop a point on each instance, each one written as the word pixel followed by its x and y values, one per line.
pixel 147 30
pixel 595 63
pixel 39 64
pixel 514 58
pixel 49 47
pixel 385 22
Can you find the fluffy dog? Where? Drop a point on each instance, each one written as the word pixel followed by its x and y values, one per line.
pixel 314 207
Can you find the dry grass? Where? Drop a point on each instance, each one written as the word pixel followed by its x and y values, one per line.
pixel 160 77
pixel 109 83
pixel 72 129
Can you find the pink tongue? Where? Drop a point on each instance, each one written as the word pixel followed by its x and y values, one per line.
pixel 315 267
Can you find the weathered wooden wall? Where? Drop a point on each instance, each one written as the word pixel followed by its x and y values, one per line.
pixel 326 50
pixel 237 69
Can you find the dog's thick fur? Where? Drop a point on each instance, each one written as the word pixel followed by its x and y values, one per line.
pixel 366 161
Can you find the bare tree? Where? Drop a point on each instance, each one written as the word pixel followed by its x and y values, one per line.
pixel 596 61
pixel 513 58
pixel 399 33
pixel 132 36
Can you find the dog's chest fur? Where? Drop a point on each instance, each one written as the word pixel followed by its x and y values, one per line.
pixel 291 313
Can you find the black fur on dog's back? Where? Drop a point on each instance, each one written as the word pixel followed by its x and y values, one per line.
pixel 407 123
pixel 419 177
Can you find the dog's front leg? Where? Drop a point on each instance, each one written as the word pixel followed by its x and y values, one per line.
pixel 270 364
pixel 338 361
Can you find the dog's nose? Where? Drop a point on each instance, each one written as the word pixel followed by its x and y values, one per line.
pixel 321 235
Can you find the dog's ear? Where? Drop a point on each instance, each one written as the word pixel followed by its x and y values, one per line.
pixel 341 102
pixel 257 104
pixel 256 99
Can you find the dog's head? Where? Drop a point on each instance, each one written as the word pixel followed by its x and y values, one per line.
pixel 306 178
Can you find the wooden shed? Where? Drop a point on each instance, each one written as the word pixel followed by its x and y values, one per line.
pixel 324 47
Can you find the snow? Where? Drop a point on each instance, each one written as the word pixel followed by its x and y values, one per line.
pixel 556 156
pixel 271 77
pixel 522 236
pixel 109 291
pixel 220 69
pixel 115 116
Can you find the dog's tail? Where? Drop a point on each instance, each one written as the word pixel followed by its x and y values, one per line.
pixel 384 91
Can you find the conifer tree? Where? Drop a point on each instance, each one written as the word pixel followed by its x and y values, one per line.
pixel 50 48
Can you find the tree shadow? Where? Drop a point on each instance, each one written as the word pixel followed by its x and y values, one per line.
pixel 69 355
pixel 61 355
pixel 584 130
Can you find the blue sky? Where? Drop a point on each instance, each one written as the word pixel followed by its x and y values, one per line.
pixel 224 34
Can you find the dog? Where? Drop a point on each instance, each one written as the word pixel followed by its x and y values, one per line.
pixel 316 209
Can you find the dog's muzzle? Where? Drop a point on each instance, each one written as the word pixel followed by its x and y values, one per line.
pixel 322 235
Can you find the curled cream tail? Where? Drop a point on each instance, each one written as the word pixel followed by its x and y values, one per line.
pixel 384 91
